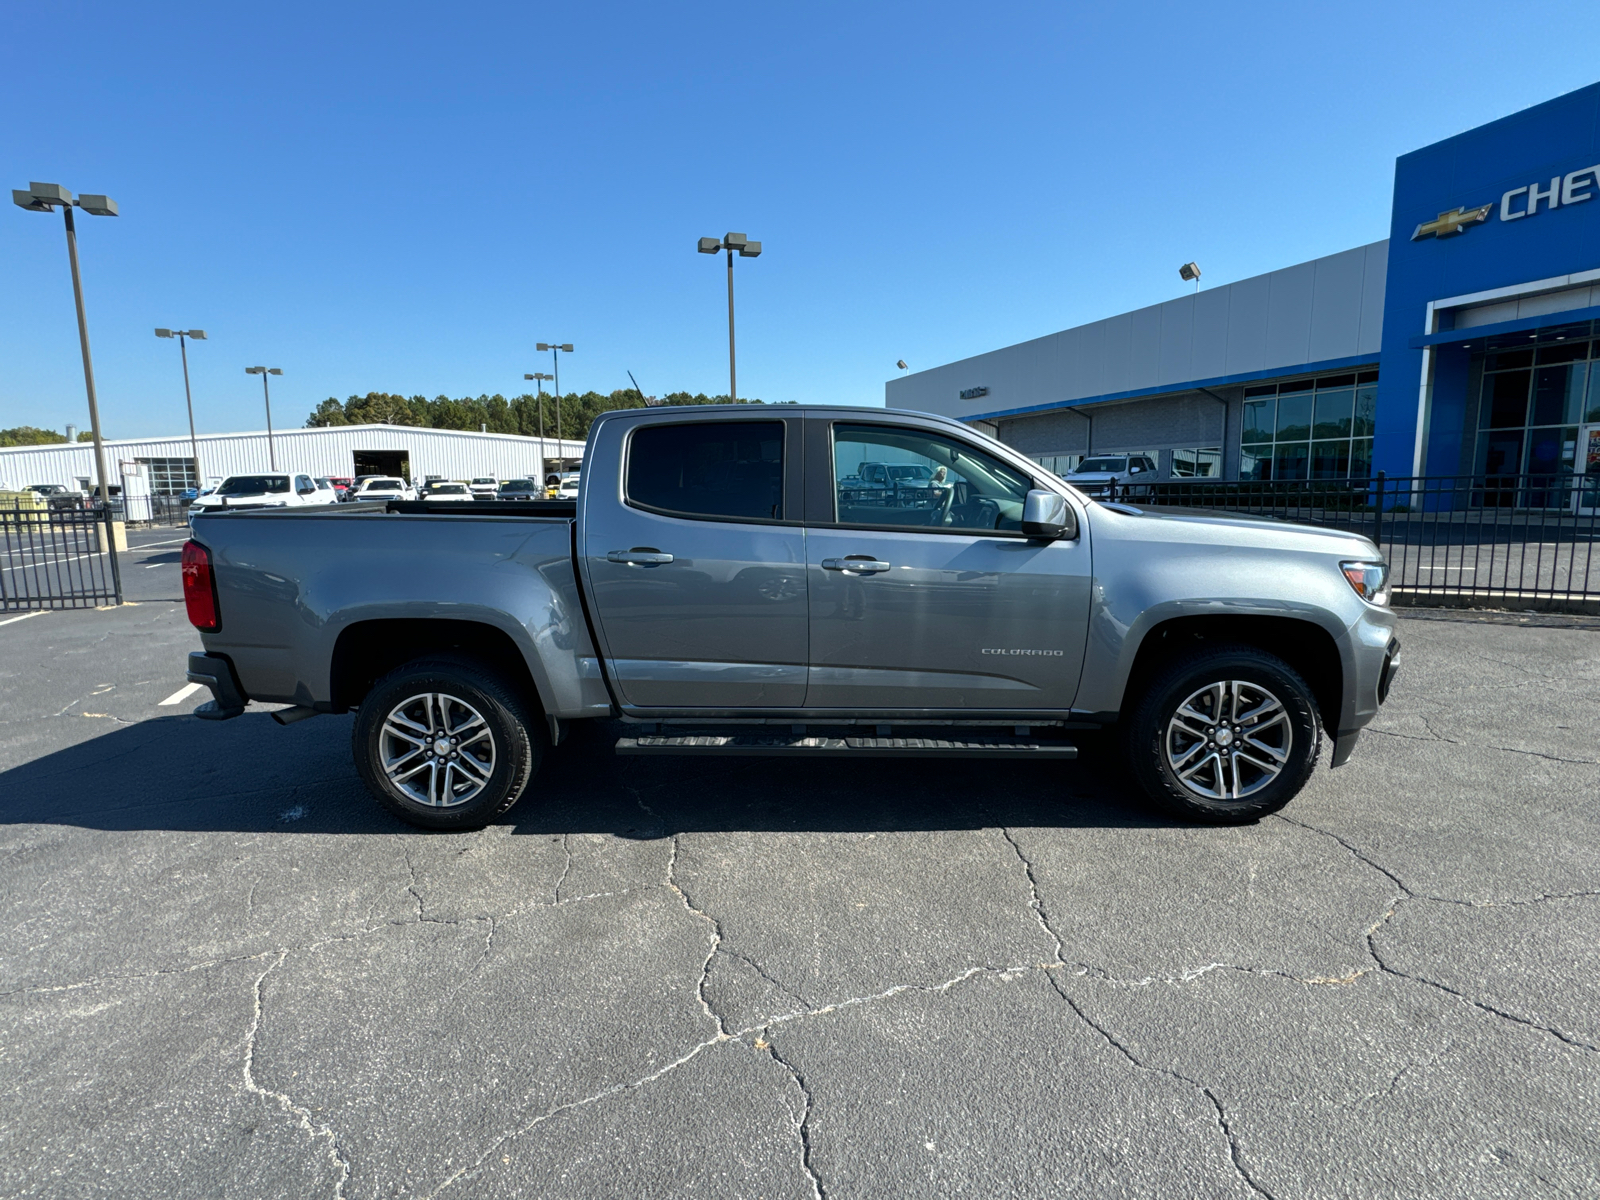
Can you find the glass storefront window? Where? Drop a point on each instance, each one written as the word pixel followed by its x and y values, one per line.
pixel 1289 460
pixel 1333 413
pixel 1310 428
pixel 1507 396
pixel 1558 393
pixel 1532 401
pixel 1330 460
pixel 1294 417
pixel 1365 422
pixel 1203 463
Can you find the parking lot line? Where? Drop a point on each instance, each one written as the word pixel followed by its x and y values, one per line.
pixel 23 617
pixel 182 694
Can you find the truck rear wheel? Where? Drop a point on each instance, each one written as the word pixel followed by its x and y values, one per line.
pixel 444 743
pixel 1225 735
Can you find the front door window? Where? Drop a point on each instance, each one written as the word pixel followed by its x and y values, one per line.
pixel 892 478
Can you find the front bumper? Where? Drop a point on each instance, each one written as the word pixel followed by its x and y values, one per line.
pixel 1344 742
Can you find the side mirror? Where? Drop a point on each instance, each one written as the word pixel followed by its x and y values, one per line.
pixel 1047 515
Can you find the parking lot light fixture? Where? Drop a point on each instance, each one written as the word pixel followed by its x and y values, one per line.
pixel 556 350
pixel 272 455
pixel 45 197
pixel 747 249
pixel 539 377
pixel 183 335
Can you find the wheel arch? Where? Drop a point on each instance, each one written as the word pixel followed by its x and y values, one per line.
pixel 1304 644
pixel 368 650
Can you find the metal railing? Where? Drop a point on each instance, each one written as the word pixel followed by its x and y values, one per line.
pixel 1515 541
pixel 58 558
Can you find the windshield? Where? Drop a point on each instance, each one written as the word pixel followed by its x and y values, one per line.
pixel 449 489
pixel 1112 465
pixel 483 481
pixel 919 474
pixel 253 485
pixel 519 485
pixel 383 485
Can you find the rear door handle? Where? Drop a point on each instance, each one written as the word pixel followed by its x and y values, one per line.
pixel 639 556
pixel 867 566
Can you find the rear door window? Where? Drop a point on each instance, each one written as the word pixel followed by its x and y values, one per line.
pixel 717 470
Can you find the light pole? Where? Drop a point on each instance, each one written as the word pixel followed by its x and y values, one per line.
pixel 272 455
pixel 194 446
pixel 43 197
pixel 747 249
pixel 540 377
pixel 555 355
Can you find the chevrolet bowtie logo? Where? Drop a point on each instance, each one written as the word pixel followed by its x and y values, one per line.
pixel 1447 224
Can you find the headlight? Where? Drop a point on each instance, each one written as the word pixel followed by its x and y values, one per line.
pixel 1370 580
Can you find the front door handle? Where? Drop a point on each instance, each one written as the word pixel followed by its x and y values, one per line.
pixel 866 566
pixel 639 556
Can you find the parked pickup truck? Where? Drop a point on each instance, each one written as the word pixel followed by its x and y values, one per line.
pixel 714 592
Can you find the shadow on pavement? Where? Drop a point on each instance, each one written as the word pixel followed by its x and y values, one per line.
pixel 252 776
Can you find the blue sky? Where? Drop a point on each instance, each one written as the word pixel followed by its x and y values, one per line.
pixel 406 198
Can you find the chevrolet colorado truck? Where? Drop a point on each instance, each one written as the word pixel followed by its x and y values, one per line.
pixel 722 586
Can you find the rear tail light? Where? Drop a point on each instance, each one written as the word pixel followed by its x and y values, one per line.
pixel 200 588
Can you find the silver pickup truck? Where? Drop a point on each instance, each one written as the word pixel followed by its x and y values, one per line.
pixel 717 588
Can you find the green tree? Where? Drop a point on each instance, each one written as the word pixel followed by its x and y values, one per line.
pixel 329 412
pixel 29 435
pixel 518 415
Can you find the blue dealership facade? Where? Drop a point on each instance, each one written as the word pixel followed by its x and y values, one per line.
pixel 1467 343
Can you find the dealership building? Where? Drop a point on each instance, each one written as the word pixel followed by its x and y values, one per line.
pixel 1460 345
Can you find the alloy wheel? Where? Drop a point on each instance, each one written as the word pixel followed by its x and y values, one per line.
pixel 436 749
pixel 1228 740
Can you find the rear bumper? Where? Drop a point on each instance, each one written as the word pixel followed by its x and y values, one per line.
pixel 215 671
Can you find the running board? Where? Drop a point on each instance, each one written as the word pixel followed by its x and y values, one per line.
pixel 756 744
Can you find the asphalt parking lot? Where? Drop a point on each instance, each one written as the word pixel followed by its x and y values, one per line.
pixel 224 972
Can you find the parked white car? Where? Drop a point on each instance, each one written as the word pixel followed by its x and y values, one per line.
pixel 383 487
pixel 484 485
pixel 264 491
pixel 568 487
pixel 449 491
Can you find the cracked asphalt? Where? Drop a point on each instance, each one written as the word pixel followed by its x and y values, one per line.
pixel 224 972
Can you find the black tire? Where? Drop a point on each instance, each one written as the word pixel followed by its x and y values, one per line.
pixel 489 779
pixel 1220 789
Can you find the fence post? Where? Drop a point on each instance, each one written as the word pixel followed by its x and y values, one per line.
pixel 1377 527
pixel 111 550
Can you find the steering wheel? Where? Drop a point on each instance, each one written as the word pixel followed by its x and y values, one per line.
pixel 945 517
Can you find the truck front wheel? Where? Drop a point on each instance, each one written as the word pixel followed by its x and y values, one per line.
pixel 444 743
pixel 1225 735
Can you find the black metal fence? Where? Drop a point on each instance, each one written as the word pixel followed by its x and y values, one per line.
pixel 1511 541
pixel 57 558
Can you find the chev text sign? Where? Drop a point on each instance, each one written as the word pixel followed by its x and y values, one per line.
pixel 1563 191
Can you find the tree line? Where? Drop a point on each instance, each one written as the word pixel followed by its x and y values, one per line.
pixel 31 435
pixel 496 414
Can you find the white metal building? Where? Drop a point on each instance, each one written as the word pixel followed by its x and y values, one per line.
pixel 340 450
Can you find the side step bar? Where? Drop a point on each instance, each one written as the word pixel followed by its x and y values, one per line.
pixel 799 745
